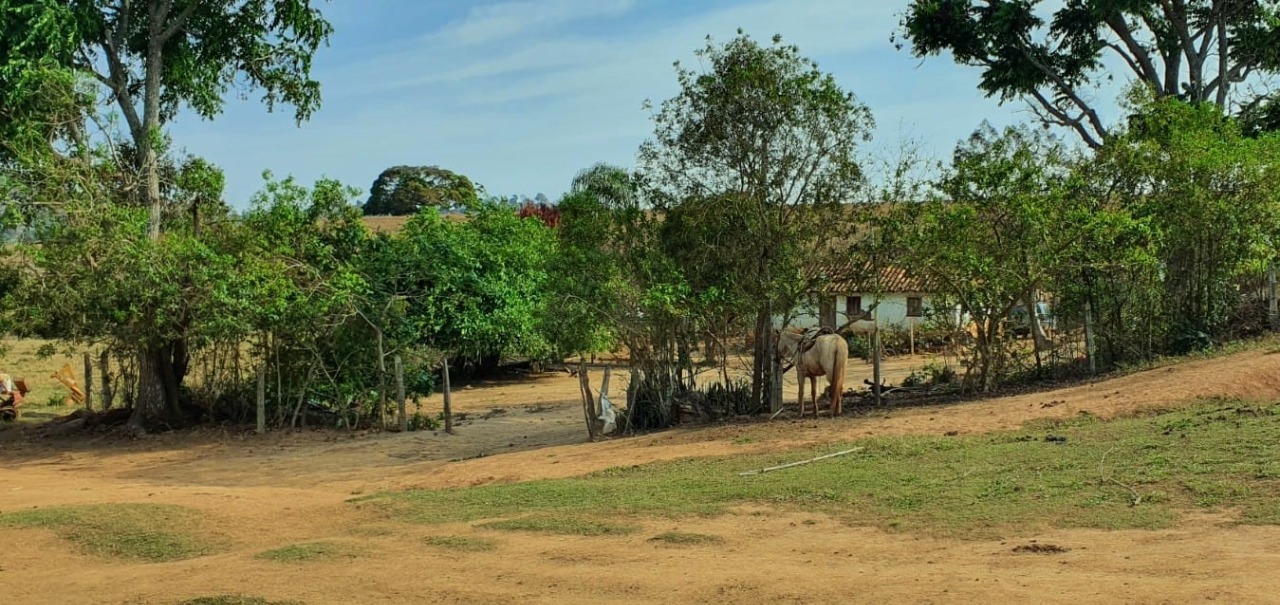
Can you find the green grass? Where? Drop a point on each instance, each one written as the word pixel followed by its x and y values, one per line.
pixel 310 551
pixel 463 543
pixel 373 531
pixel 1213 454
pixel 228 599
pixel 680 538
pixel 572 525
pixel 146 532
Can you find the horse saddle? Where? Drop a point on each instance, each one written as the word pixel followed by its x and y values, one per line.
pixel 811 338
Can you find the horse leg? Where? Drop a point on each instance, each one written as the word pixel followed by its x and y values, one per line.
pixel 800 399
pixel 813 390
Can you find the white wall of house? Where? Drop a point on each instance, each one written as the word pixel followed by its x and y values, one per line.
pixel 891 312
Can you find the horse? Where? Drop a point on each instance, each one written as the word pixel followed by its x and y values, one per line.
pixel 816 354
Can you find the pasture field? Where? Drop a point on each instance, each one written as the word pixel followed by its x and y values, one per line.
pixel 1158 486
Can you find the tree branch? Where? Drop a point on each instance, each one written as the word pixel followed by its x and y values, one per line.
pixel 1175 12
pixel 1090 138
pixel 179 21
pixel 1140 62
pixel 1066 120
pixel 118 83
pixel 1223 81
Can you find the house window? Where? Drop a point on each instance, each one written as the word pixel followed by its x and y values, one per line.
pixel 853 308
pixel 915 306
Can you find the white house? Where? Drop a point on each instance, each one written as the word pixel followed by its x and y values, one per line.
pixel 857 297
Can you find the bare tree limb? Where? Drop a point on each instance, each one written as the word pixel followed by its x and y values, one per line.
pixel 179 21
pixel 1138 58
pixel 1061 117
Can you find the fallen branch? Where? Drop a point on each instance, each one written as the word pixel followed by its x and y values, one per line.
pixel 802 462
pixel 1135 497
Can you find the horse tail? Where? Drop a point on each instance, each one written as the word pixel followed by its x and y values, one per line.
pixel 841 352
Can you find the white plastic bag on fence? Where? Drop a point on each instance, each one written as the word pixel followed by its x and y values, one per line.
pixel 607 414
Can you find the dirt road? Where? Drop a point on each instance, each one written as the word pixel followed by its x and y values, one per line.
pixel 288 488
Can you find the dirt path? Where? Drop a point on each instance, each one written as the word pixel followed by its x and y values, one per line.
pixel 287 488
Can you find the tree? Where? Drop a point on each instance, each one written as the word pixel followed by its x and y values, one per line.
pixel 404 190
pixel 1210 194
pixel 992 238
pixel 1200 51
pixel 152 58
pixel 588 283
pixel 765 127
pixel 472 289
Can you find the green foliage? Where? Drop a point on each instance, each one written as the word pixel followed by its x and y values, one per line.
pixel 586 280
pixel 1213 454
pixel 750 164
pixel 147 532
pixel 572 526
pixel 421 422
pixel 311 551
pixel 472 288
pixel 1200 202
pixel 993 236
pixel 205 48
pixel 81 187
pixel 463 543
pixel 403 190
pixel 1055 60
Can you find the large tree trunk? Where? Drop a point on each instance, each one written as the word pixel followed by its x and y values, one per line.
pixel 151 404
pixel 157 383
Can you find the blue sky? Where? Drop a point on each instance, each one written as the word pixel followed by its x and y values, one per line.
pixel 520 95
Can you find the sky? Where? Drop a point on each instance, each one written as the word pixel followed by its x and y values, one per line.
pixel 519 95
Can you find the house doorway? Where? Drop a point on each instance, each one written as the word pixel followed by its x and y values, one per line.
pixel 827 312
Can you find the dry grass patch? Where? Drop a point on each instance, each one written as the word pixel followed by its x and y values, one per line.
pixel 146 532
pixel 227 599
pixel 680 538
pixel 463 543
pixel 308 552
pixel 569 526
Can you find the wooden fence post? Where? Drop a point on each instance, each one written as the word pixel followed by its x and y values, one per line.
pixel 775 385
pixel 596 422
pixel 88 382
pixel 404 417
pixel 382 385
pixel 448 407
pixel 875 361
pixel 104 368
pixel 588 402
pixel 262 398
pixel 1273 312
pixel 1088 337
pixel 604 385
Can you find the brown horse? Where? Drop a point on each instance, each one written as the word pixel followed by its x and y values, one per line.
pixel 815 355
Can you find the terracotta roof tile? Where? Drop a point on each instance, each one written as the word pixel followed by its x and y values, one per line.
pixel 862 276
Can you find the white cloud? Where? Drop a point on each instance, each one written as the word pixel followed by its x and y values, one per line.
pixel 519 98
pixel 495 22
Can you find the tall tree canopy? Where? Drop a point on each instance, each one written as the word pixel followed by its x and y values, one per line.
pixel 153 57
pixel 150 58
pixel 403 190
pixel 764 128
pixel 1201 51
